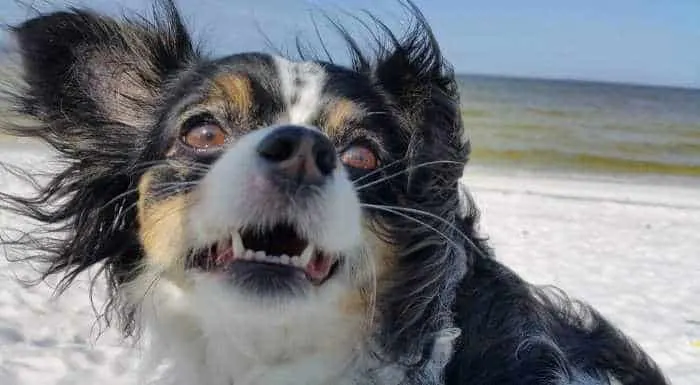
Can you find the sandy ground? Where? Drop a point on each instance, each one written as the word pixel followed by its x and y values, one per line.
pixel 628 247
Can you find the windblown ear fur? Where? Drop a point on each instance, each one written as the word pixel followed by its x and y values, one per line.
pixel 88 66
pixel 421 85
pixel 89 86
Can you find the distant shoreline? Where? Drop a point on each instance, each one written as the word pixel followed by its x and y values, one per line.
pixel 554 79
pixel 593 82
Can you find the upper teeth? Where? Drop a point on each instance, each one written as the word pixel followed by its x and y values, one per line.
pixel 240 252
pixel 237 244
pixel 307 254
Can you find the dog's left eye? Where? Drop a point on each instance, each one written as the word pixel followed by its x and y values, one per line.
pixel 205 136
pixel 359 157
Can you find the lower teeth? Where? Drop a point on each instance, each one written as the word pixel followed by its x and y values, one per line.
pixel 261 256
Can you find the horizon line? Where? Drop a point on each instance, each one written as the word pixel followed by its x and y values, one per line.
pixel 684 87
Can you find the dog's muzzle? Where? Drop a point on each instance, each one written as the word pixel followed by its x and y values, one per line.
pixel 276 212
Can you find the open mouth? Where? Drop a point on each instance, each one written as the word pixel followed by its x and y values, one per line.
pixel 280 247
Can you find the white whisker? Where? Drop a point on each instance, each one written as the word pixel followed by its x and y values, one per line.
pixel 398 211
pixel 407 169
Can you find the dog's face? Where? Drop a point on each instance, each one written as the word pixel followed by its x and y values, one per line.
pixel 260 163
pixel 254 198
pixel 252 191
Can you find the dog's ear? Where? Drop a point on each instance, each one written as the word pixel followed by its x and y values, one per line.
pixel 420 81
pixel 89 87
pixel 422 86
pixel 82 66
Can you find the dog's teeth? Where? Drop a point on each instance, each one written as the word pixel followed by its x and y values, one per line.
pixel 249 255
pixel 237 244
pixel 260 256
pixel 284 259
pixel 307 255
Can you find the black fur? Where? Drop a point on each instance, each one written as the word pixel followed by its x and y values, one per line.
pixel 515 333
pixel 512 333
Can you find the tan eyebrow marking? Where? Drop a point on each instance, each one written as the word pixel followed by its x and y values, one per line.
pixel 234 89
pixel 338 114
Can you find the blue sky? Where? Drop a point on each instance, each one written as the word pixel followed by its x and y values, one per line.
pixel 637 41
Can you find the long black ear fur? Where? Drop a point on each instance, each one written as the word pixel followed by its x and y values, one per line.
pixel 89 86
pixel 79 65
pixel 421 85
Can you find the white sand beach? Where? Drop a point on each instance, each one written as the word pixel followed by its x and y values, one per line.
pixel 631 247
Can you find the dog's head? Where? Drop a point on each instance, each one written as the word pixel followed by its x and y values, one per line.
pixel 250 191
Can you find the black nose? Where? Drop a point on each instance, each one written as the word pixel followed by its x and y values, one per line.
pixel 301 154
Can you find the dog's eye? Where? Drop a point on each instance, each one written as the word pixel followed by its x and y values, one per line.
pixel 205 136
pixel 359 157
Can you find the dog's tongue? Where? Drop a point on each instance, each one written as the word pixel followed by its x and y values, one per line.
pixel 318 268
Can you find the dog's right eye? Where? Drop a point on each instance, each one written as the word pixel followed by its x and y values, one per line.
pixel 205 136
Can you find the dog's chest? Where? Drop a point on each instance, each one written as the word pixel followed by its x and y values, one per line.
pixel 323 368
pixel 259 354
pixel 349 366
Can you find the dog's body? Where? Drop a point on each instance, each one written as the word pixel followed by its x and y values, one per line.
pixel 265 221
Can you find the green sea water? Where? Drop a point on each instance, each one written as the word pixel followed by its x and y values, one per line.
pixel 582 126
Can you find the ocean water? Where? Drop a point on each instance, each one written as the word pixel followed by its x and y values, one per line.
pixel 582 126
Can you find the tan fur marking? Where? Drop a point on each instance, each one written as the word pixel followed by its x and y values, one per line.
pixel 234 89
pixel 338 114
pixel 162 227
pixel 385 253
pixel 383 259
pixel 356 302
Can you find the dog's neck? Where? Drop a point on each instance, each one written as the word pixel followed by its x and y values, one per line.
pixel 194 337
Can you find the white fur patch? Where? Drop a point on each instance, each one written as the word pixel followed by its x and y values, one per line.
pixel 302 85
pixel 444 343
pixel 580 378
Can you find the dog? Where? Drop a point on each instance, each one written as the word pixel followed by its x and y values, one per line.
pixel 270 220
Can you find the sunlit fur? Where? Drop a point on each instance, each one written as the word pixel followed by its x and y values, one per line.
pixel 418 298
